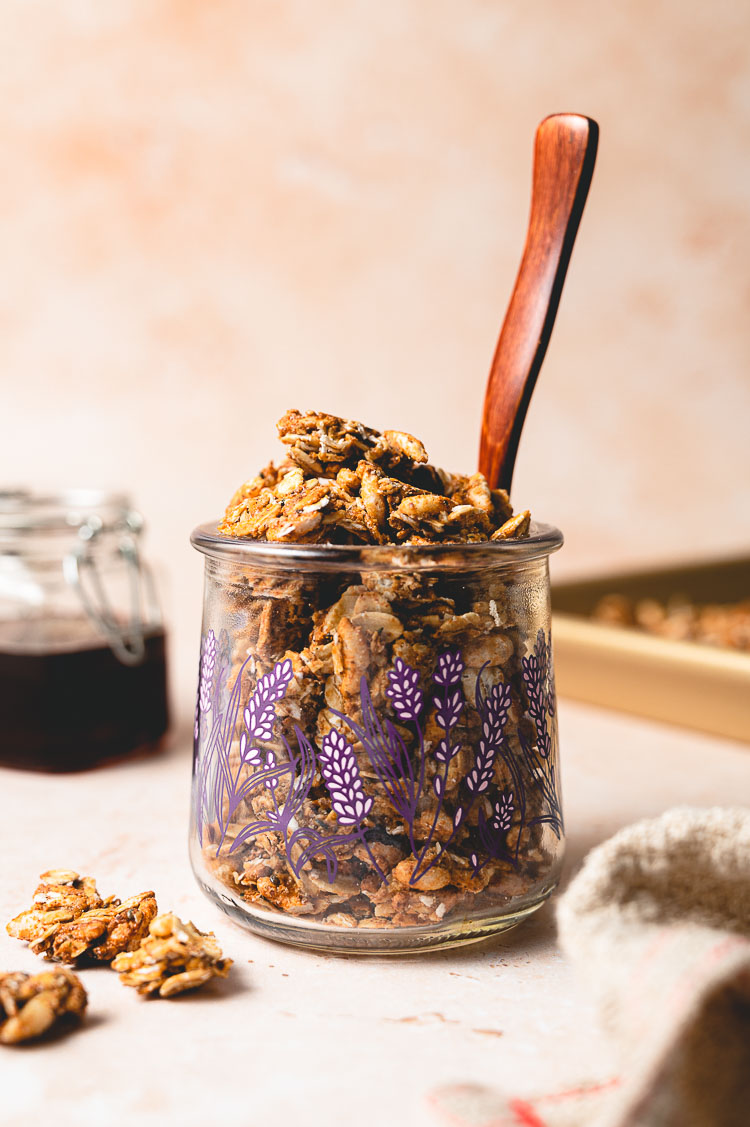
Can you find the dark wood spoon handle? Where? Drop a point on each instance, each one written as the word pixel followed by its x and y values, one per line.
pixel 564 156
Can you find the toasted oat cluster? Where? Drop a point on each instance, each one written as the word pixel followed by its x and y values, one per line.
pixel 31 1004
pixel 69 920
pixel 174 957
pixel 343 483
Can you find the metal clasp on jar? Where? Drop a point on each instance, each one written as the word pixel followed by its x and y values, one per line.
pixel 82 572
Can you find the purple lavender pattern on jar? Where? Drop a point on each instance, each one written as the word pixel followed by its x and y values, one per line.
pixel 338 765
pixel 404 768
pixel 538 675
pixel 205 679
pixel 404 692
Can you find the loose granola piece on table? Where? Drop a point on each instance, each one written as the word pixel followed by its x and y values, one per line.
pixel 174 957
pixel 31 1004
pixel 70 920
pixel 105 932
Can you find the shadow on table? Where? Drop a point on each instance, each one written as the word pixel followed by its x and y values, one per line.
pixel 61 1030
pixel 538 931
pixel 238 982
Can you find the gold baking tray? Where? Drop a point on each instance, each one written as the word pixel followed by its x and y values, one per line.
pixel 688 683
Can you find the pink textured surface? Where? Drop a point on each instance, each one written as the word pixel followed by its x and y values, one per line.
pixel 212 211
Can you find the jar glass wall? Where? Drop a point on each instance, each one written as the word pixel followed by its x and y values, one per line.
pixel 376 762
pixel 82 646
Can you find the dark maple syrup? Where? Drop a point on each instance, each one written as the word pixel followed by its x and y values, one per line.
pixel 71 705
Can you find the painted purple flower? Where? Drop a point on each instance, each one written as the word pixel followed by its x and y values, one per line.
pixel 273 781
pixel 208 662
pixel 495 714
pixel 536 675
pixel 502 813
pixel 259 714
pixel 533 674
pixel 403 691
pixel 496 709
pixel 338 765
pixel 446 751
pixel 449 668
pixel 249 755
pixel 448 710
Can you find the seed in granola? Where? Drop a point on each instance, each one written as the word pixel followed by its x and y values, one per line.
pixel 174 957
pixel 31 1004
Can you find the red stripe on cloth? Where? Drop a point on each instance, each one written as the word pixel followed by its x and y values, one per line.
pixel 525 1114
pixel 686 988
pixel 578 1093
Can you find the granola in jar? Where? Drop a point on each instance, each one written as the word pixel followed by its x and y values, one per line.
pixel 375 733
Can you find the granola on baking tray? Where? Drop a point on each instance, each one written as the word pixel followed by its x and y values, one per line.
pixel 69 920
pixel 681 619
pixel 31 1004
pixel 376 746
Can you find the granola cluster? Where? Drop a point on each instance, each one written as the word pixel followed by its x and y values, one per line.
pixel 331 636
pixel 173 958
pixel 680 619
pixel 31 1004
pixel 70 921
pixel 343 483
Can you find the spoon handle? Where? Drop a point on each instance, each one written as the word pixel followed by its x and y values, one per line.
pixel 564 156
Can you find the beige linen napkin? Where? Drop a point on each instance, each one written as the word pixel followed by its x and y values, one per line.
pixel 658 922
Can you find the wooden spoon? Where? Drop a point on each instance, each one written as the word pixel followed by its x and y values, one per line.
pixel 564 156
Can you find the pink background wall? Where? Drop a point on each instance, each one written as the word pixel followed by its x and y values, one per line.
pixel 211 211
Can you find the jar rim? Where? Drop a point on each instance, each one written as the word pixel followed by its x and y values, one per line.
pixel 65 510
pixel 542 541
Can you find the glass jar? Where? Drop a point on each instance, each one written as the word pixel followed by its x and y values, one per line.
pixel 375 761
pixel 82 648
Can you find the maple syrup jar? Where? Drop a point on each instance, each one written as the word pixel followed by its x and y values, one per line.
pixel 376 763
pixel 82 648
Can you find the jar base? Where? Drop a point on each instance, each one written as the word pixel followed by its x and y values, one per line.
pixel 373 941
